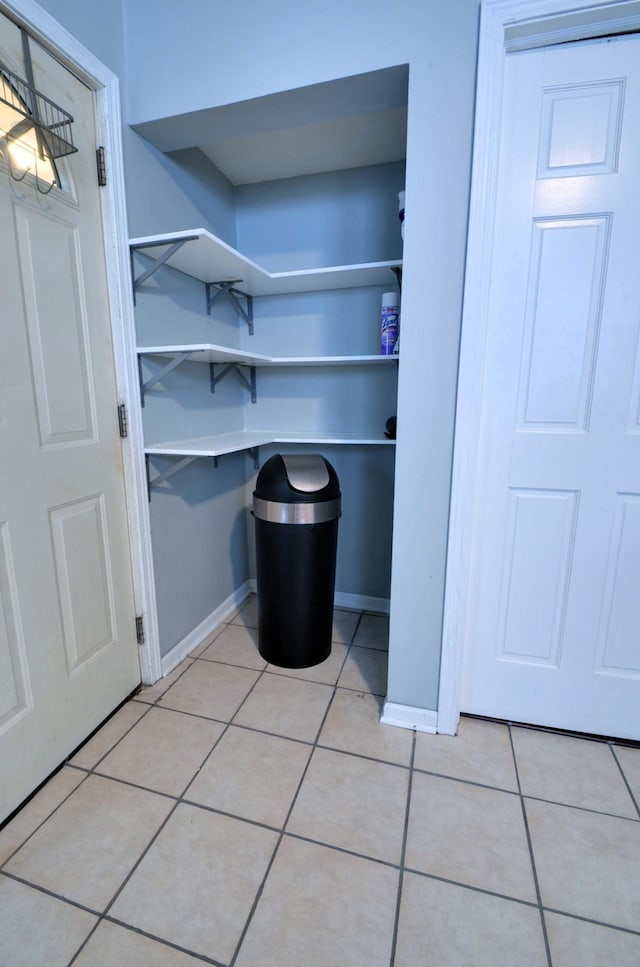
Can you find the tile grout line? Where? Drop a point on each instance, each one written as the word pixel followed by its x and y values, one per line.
pixel 403 855
pixel 160 940
pixel 66 900
pixel 177 801
pixel 104 915
pixel 281 836
pixel 356 629
pixel 169 687
pixel 624 778
pixel 88 773
pixel 131 928
pixel 272 669
pixel 46 819
pixel 361 755
pixel 343 850
pixel 530 847
pixel 512 792
pixel 51 893
pixel 582 809
pixel 66 764
pixel 595 923
pixel 472 888
pixel 91 770
pixel 465 782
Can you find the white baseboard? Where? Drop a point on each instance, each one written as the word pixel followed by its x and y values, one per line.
pixel 361 602
pixel 408 717
pixel 355 602
pixel 200 632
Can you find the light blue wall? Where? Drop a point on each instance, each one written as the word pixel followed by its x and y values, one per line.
pixel 226 52
pixel 97 26
pixel 172 192
pixel 199 535
pixel 329 219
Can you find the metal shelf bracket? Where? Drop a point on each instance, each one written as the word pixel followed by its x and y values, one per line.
pixel 250 383
pixel 228 289
pixel 170 366
pixel 174 245
pixel 154 483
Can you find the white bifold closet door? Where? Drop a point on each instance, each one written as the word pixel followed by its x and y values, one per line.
pixel 553 630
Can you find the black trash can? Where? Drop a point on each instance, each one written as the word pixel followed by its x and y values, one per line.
pixel 296 506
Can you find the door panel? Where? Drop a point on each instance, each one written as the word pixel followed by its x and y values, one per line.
pixel 580 129
pixel 48 250
pixel 15 690
pixel 540 528
pixel 84 579
pixel 68 654
pixel 618 653
pixel 559 361
pixel 555 570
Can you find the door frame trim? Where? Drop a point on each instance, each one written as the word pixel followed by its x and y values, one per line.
pixel 106 87
pixel 536 23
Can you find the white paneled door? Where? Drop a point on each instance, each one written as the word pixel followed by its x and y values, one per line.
pixel 68 652
pixel 553 630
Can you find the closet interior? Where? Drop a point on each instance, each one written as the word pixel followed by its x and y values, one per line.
pixel 260 333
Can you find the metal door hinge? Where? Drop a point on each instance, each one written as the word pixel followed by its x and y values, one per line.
pixel 102 168
pixel 140 629
pixel 122 420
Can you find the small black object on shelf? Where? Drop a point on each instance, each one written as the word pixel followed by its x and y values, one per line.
pixel 390 431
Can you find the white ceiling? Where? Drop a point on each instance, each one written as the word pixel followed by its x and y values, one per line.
pixel 352 142
pixel 344 123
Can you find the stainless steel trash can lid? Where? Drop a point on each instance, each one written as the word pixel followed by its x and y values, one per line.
pixel 306 472
pixel 297 478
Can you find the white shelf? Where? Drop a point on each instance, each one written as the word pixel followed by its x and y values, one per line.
pixel 217 446
pixel 333 438
pixel 209 353
pixel 209 259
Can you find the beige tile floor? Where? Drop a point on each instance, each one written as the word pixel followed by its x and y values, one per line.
pixel 240 814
